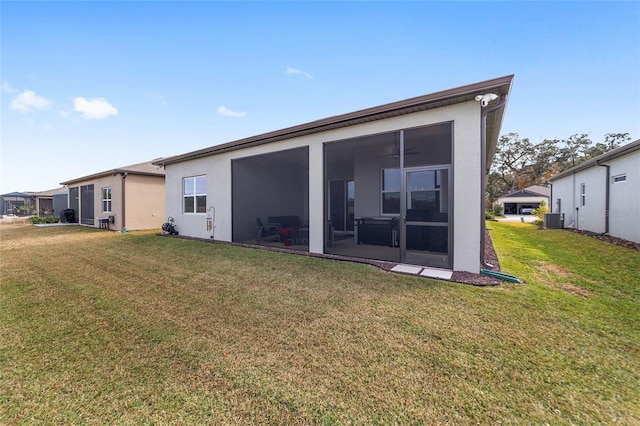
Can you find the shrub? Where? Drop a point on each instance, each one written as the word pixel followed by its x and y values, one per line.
pixel 541 210
pixel 44 219
pixel 488 215
pixel 497 210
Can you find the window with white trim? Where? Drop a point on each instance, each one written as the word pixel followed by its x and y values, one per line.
pixel 194 192
pixel 106 200
pixel 583 194
pixel 390 192
pixel 619 178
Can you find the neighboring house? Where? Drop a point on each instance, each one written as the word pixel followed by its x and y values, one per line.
pixel 51 202
pixel 17 203
pixel 523 200
pixel 402 182
pixel 601 195
pixel 130 197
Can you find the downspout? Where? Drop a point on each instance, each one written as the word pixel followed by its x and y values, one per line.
pixel 124 176
pixel 483 174
pixel 606 195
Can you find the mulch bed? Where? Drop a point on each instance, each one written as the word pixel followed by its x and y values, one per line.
pixel 608 239
pixel 458 276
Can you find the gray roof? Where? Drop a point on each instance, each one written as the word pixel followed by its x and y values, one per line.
pixel 500 86
pixel 530 191
pixel 50 192
pixel 17 195
pixel 607 156
pixel 147 169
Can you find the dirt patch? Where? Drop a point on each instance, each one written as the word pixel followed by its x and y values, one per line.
pixel 549 269
pixel 608 239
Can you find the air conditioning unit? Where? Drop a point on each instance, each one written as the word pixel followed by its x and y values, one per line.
pixel 554 220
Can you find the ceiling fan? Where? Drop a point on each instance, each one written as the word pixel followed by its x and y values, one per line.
pixel 395 152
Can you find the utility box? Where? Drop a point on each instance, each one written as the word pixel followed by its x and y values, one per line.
pixel 554 220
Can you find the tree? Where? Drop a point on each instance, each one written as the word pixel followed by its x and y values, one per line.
pixel 611 141
pixel 574 150
pixel 512 160
pixel 518 163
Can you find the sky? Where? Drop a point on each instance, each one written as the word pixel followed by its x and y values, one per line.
pixel 92 86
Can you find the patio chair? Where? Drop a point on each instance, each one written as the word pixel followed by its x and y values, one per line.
pixel 266 230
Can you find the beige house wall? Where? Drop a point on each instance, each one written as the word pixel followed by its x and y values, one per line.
pixel 144 202
pixel 112 182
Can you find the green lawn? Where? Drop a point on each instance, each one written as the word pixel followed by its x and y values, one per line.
pixel 105 328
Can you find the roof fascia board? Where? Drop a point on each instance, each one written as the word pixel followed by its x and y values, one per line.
pixel 607 156
pixel 393 109
pixel 110 173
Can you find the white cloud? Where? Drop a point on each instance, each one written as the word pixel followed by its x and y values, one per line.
pixel 28 100
pixel 296 71
pixel 94 109
pixel 158 98
pixel 223 110
pixel 6 87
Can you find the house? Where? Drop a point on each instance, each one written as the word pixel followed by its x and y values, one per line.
pixel 17 203
pixel 402 182
pixel 524 200
pixel 130 197
pixel 51 202
pixel 601 195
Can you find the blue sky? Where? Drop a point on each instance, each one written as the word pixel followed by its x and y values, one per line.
pixel 91 86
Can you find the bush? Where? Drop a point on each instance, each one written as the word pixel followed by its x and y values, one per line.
pixel 498 210
pixel 44 219
pixel 488 215
pixel 541 210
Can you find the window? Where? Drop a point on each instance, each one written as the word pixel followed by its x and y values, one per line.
pixel 195 194
pixel 390 191
pixel 106 200
pixel 619 178
pixel 583 194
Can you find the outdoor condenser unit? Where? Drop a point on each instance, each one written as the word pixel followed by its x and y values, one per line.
pixel 554 220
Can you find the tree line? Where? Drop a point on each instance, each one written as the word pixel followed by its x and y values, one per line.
pixel 519 163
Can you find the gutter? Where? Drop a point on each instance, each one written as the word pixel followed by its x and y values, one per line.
pixel 606 199
pixel 483 174
pixel 124 176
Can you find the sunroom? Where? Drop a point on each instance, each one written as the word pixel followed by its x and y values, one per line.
pixel 402 182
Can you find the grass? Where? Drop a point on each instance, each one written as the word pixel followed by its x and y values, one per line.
pixel 100 327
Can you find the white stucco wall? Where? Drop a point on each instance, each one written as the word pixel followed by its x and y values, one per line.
pixel 466 179
pixel 562 189
pixel 624 204
pixel 591 216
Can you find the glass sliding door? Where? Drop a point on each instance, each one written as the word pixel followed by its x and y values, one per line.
pixel 427 216
pixel 86 205
pixel 341 205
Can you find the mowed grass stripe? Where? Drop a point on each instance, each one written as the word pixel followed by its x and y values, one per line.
pixel 99 327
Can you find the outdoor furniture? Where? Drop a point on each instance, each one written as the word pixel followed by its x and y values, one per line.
pixel 377 231
pixel 266 230
pixel 287 221
pixel 104 223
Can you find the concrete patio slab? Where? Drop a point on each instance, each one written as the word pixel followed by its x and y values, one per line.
pixel 407 269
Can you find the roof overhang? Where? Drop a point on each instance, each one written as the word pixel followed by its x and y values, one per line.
pixel 141 169
pixel 500 86
pixel 600 159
